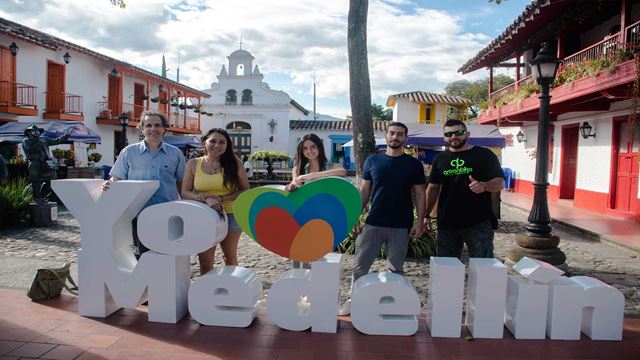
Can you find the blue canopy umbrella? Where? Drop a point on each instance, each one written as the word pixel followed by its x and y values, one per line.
pixel 432 135
pixel 13 132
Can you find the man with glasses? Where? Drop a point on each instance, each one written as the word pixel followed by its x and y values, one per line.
pixel 393 182
pixel 461 182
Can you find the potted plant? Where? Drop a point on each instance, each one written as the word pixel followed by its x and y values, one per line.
pixel 182 106
pixel 154 99
pixel 94 157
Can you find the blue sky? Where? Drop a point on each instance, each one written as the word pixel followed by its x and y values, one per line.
pixel 413 45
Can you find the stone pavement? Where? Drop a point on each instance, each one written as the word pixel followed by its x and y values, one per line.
pixel 23 250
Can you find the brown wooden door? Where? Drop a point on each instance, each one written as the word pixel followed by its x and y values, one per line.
pixel 115 96
pixel 55 88
pixel 626 168
pixel 138 103
pixel 163 108
pixel 7 77
pixel 569 161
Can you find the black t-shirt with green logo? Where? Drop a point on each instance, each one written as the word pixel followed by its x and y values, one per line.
pixel 458 206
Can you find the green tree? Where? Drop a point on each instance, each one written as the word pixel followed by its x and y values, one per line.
pixel 119 3
pixel 378 112
pixel 477 91
pixel 359 85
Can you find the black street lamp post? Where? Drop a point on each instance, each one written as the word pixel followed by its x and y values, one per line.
pixel 537 242
pixel 124 120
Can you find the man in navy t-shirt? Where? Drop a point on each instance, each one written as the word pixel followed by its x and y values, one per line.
pixel 387 182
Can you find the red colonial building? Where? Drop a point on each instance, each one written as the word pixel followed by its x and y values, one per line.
pixel 594 134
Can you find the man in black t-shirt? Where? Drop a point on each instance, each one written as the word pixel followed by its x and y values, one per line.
pixel 461 180
pixel 387 181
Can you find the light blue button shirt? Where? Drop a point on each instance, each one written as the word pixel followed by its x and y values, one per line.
pixel 137 162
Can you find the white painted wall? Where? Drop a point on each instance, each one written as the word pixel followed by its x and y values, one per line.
pixel 405 109
pixel 594 154
pixel 85 76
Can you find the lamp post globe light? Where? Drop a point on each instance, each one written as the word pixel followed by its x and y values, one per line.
pixel 537 241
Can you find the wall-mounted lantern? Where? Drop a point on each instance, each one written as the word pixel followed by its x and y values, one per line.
pixel 586 130
pixel 13 48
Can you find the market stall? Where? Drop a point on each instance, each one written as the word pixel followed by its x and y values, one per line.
pixel 72 160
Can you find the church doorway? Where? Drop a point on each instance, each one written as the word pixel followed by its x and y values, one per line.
pixel 240 133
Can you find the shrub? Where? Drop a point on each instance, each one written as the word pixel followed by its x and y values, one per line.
pixel 419 248
pixel 264 155
pixel 15 197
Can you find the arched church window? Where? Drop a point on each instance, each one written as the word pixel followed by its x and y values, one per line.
pixel 240 70
pixel 232 98
pixel 247 97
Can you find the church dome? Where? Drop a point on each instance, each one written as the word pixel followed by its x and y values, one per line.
pixel 241 54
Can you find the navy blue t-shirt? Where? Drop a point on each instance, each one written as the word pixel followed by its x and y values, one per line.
pixel 392 179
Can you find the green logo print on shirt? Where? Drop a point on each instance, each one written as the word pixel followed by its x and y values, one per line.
pixel 458 168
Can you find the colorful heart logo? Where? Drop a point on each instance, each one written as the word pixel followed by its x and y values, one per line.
pixel 302 225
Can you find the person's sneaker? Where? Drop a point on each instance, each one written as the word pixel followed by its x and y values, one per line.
pixel 345 309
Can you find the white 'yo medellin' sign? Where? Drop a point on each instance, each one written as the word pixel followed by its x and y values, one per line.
pixel 541 302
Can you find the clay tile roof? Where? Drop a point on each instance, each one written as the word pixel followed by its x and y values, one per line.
pixel 339 125
pixel 537 15
pixel 427 97
pixel 299 107
pixel 19 31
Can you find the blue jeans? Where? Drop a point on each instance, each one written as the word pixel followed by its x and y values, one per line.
pixel 479 240
pixel 233 224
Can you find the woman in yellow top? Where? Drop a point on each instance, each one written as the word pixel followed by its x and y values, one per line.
pixel 217 179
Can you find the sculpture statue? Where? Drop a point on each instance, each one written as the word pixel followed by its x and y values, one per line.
pixel 36 149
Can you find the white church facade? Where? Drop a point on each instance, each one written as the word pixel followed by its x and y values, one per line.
pixel 256 116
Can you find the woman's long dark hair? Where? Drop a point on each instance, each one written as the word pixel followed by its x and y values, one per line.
pixel 302 161
pixel 228 160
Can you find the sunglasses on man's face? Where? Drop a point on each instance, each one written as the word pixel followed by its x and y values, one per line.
pixel 456 133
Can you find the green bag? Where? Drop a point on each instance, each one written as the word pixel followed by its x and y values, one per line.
pixel 48 283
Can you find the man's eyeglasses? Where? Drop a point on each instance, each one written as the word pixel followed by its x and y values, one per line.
pixel 456 133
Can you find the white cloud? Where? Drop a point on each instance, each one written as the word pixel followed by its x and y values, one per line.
pixel 417 50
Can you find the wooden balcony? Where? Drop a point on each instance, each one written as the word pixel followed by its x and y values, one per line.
pixel 587 93
pixel 17 98
pixel 178 121
pixel 109 112
pixel 63 106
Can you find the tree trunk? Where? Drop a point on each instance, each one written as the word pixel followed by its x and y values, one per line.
pixel 359 87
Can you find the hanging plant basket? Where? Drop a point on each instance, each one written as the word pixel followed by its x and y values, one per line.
pixel 182 106
pixel 154 99
pixel 145 97
pixel 191 106
pixel 196 111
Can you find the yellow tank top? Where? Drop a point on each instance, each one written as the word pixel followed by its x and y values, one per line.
pixel 211 184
